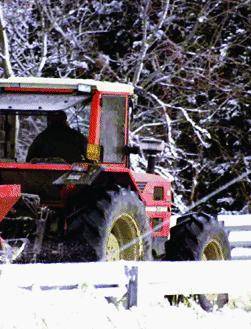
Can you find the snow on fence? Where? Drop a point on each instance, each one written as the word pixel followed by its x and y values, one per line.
pixel 238 228
pixel 140 282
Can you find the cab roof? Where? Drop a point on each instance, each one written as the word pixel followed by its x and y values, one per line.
pixel 84 85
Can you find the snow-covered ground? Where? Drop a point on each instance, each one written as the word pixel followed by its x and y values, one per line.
pixel 83 308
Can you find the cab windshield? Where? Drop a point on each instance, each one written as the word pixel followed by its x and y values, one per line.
pixel 24 117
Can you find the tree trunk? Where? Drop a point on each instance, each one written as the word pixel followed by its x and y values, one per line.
pixel 5 56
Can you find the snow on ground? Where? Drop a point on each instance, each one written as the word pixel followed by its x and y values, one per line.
pixel 83 308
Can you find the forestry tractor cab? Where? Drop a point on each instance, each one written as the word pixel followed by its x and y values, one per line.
pixel 95 207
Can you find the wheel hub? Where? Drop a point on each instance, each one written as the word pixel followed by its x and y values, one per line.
pixel 124 240
pixel 113 248
pixel 212 251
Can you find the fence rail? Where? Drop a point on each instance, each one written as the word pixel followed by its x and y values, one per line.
pixel 139 281
pixel 238 228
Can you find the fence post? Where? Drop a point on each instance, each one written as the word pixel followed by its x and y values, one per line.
pixel 132 287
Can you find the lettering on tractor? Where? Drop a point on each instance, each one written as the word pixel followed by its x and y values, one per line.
pixel 69 195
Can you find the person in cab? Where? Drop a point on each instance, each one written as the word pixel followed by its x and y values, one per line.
pixel 58 140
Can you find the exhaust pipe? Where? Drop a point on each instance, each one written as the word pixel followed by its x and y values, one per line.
pixel 151 147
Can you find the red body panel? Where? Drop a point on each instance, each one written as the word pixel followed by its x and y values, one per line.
pixel 160 209
pixel 39 90
pixel 35 166
pixel 94 129
pixel 9 195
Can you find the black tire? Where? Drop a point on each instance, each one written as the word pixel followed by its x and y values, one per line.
pixel 111 218
pixel 199 237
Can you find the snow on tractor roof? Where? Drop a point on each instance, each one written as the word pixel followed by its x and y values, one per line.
pixel 85 85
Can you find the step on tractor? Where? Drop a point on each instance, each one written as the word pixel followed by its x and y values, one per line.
pixel 57 208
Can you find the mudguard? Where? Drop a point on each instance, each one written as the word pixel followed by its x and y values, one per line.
pixel 9 195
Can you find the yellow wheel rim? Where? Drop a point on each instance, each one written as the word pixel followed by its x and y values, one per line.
pixel 212 251
pixel 112 248
pixel 124 240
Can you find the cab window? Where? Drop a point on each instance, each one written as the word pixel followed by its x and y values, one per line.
pixel 112 130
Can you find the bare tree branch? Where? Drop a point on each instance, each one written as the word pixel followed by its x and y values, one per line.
pixel 44 48
pixel 4 46
pixel 147 40
pixel 217 191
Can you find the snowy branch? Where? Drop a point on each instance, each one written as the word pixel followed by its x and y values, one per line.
pixel 146 125
pixel 168 123
pixel 217 191
pixel 4 46
pixel 197 129
pixel 44 50
pixel 148 37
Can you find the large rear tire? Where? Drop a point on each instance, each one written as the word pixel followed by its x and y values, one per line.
pixel 114 226
pixel 199 237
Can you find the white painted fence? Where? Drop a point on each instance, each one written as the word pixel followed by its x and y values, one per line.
pixel 238 228
pixel 141 281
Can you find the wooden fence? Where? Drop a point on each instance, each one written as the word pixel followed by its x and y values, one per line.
pixel 140 282
pixel 238 228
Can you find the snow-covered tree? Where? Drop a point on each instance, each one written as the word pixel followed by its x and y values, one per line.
pixel 5 65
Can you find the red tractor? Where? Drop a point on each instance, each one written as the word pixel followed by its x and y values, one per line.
pixel 95 208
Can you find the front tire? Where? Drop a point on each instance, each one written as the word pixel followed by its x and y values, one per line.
pixel 113 227
pixel 199 237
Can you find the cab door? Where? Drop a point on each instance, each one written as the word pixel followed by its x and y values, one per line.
pixel 113 124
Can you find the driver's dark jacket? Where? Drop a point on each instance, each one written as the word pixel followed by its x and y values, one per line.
pixel 60 142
